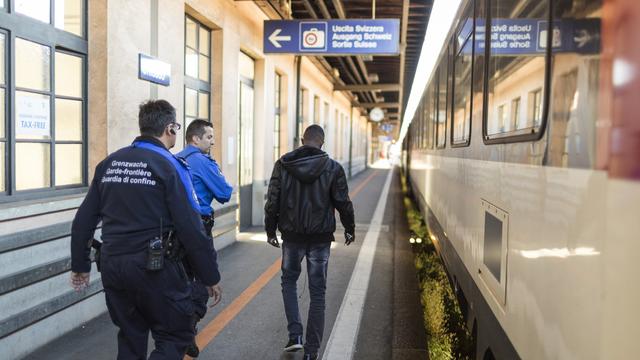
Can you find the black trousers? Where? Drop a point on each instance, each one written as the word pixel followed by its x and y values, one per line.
pixel 200 295
pixel 141 301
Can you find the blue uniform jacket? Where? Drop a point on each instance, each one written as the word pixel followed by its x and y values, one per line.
pixel 132 191
pixel 208 181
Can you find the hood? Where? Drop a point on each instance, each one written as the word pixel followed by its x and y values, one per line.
pixel 305 163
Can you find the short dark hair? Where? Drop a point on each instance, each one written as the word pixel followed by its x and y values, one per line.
pixel 197 128
pixel 154 116
pixel 314 133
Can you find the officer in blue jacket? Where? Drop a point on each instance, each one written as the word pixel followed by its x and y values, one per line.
pixel 209 184
pixel 143 195
pixel 208 181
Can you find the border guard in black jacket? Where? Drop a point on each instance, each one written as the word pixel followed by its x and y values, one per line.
pixel 144 197
pixel 305 189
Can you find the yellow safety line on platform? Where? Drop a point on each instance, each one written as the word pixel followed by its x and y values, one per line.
pixel 218 324
pixel 362 185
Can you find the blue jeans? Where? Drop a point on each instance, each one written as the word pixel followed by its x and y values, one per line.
pixel 317 260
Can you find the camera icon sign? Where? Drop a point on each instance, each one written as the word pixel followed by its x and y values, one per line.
pixel 313 36
pixel 313 39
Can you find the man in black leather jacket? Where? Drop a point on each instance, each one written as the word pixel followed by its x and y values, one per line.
pixel 305 189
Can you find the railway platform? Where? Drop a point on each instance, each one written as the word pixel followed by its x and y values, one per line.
pixel 372 311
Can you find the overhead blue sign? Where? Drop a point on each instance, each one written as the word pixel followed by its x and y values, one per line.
pixel 529 36
pixel 154 70
pixel 332 37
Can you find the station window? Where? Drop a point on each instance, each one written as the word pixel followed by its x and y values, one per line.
pixel 535 106
pixel 325 116
pixel 336 143
pixel 277 116
pixel 69 14
pixel 302 113
pixel 197 70
pixel 69 124
pixel 43 104
pixel 502 119
pixel 515 113
pixel 343 121
pixel 516 73
pixel 462 64
pixel 37 9
pixel 339 137
pixel 316 110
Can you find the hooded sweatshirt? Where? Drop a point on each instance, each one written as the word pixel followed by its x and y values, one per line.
pixel 305 189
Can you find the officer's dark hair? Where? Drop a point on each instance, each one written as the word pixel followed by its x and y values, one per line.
pixel 197 128
pixel 154 116
pixel 313 133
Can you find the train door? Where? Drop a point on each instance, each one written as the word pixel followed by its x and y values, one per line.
pixel 245 136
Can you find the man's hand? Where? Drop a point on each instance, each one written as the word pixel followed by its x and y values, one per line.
pixel 273 241
pixel 79 281
pixel 215 292
pixel 349 237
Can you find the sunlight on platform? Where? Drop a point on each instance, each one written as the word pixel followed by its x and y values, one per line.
pixel 381 164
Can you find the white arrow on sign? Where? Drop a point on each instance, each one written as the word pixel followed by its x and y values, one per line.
pixel 582 38
pixel 274 38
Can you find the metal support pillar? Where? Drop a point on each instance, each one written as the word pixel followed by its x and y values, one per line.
pixel 296 139
pixel 350 140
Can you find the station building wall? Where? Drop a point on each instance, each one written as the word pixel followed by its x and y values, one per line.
pixel 35 228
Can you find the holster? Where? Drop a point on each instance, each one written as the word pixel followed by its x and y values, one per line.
pixel 208 222
pixel 174 249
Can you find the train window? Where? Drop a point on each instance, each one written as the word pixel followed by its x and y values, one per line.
pixel 418 128
pixel 479 48
pixel 575 77
pixel 517 68
pixel 441 123
pixel 461 126
pixel 430 114
pixel 425 129
pixel 423 125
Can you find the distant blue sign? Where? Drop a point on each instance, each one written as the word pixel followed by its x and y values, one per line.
pixel 154 70
pixel 529 36
pixel 386 127
pixel 332 37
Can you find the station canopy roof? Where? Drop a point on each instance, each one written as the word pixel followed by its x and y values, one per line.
pixel 383 81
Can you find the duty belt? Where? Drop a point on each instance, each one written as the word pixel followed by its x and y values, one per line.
pixel 207 220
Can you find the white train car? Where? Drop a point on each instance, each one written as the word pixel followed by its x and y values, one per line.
pixel 525 159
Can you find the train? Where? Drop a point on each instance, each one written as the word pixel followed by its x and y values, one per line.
pixel 524 157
